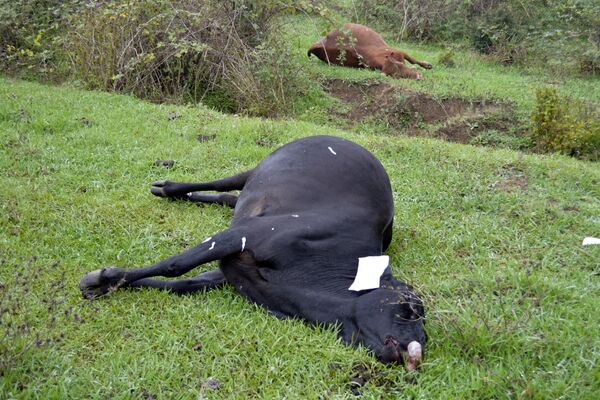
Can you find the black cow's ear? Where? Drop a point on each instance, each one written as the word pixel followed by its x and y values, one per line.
pixel 386 278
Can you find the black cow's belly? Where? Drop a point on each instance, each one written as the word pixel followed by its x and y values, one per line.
pixel 318 172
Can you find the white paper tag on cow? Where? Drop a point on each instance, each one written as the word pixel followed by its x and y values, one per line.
pixel 590 240
pixel 369 272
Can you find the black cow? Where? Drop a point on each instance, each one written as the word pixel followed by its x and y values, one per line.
pixel 303 217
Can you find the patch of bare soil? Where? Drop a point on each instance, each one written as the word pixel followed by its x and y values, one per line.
pixel 511 178
pixel 405 109
pixel 464 130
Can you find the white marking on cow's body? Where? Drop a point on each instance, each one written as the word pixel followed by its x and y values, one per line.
pixel 295 215
pixel 212 245
pixel 189 194
pixel 207 239
pixel 590 240
pixel 243 243
pixel 331 150
pixel 369 272
pixel 273 228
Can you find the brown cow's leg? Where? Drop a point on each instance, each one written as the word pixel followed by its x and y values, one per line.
pixel 411 60
pixel 397 69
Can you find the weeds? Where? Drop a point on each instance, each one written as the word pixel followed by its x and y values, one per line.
pixel 183 51
pixel 227 53
pixel 565 125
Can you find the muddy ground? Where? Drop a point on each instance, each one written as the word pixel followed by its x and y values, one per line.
pixel 404 111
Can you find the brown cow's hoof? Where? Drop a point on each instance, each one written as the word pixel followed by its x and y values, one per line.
pixel 427 65
pixel 100 282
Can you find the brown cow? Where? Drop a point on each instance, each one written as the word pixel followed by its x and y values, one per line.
pixel 359 46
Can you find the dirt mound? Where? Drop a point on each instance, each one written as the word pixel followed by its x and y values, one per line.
pixel 405 109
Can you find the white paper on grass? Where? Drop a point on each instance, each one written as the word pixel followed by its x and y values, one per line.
pixel 369 272
pixel 590 240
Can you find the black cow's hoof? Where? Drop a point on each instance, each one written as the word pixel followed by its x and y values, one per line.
pixel 159 188
pixel 168 189
pixel 100 282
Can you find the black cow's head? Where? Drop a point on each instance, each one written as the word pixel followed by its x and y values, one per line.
pixel 389 321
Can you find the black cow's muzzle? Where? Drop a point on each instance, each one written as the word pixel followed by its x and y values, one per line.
pixel 393 352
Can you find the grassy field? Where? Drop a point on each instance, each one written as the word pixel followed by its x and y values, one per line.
pixel 491 238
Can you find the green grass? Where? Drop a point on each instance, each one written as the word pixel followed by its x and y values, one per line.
pixel 491 238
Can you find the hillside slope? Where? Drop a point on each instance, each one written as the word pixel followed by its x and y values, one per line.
pixel 491 238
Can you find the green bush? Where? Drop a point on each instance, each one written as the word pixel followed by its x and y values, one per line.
pixel 30 34
pixel 565 125
pixel 589 62
pixel 188 50
pixel 447 58
pixel 220 52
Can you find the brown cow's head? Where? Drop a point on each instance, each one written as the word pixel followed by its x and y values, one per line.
pixel 397 69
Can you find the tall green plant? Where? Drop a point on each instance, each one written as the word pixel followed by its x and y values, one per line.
pixel 565 125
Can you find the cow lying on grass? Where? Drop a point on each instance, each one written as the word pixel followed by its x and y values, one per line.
pixel 359 46
pixel 303 218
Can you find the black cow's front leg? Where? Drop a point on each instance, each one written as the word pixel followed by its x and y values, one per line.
pixel 102 281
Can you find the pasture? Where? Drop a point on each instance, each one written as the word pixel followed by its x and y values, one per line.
pixel 490 237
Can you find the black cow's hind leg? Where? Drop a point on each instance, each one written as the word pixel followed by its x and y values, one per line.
pixel 225 199
pixel 181 189
pixel 100 282
pixel 205 281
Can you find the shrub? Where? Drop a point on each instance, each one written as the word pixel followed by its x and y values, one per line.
pixel 589 62
pixel 447 58
pixel 188 50
pixel 426 20
pixel 162 50
pixel 565 125
pixel 29 34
